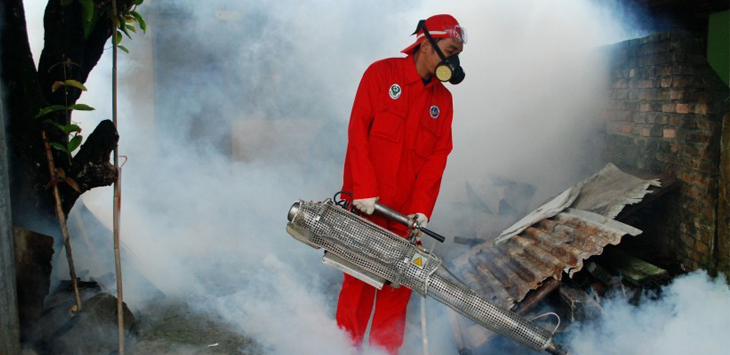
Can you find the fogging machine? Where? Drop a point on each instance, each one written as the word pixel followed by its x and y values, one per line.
pixel 377 256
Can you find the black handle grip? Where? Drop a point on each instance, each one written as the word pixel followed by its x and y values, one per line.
pixel 404 220
pixel 434 235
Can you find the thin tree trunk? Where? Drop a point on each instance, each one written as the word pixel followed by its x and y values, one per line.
pixel 62 221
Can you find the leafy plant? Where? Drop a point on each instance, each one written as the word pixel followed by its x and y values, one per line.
pixel 124 22
pixel 71 131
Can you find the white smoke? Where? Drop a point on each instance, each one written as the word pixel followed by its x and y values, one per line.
pixel 692 316
pixel 202 227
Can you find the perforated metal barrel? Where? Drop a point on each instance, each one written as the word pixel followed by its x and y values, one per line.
pixel 377 250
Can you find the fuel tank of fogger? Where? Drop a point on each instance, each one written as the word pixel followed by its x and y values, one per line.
pixel 376 255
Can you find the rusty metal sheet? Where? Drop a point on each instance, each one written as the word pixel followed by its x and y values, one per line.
pixel 507 271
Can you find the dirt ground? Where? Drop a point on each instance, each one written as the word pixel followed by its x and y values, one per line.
pixel 173 327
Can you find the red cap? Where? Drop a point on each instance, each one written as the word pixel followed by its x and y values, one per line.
pixel 439 26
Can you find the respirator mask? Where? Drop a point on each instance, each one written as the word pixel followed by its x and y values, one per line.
pixel 449 69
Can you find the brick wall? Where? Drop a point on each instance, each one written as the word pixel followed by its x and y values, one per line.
pixel 665 115
pixel 723 218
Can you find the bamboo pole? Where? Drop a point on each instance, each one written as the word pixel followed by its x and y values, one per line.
pixel 62 221
pixel 117 188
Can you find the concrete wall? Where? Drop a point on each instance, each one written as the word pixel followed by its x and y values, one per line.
pixel 665 115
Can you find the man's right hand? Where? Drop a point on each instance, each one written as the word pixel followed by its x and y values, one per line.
pixel 366 205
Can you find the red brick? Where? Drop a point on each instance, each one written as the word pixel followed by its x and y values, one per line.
pixel 627 128
pixel 676 94
pixel 701 247
pixel 687 240
pixel 663 95
pixel 698 138
pixel 668 107
pixel 680 83
pixel 645 132
pixel 707 125
pixel 702 109
pixel 674 148
pixel 669 133
pixel 645 107
pixel 666 82
pixel 682 108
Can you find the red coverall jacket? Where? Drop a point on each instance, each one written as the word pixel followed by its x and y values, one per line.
pixel 398 139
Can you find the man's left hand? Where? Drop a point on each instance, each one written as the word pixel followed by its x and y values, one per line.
pixel 420 218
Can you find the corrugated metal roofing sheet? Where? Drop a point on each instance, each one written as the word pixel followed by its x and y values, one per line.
pixel 507 270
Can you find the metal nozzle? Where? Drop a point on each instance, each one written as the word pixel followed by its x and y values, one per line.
pixel 555 349
pixel 293 211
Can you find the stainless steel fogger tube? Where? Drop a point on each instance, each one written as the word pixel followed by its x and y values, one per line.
pixel 376 256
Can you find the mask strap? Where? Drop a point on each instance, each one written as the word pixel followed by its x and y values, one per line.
pixel 422 24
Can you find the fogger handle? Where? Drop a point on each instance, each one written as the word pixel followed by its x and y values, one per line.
pixel 404 220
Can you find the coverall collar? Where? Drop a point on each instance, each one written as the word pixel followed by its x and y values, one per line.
pixel 411 74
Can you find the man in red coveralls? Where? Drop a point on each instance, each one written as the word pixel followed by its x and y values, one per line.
pixel 398 140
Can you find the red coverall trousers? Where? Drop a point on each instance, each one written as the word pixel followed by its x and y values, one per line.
pixel 399 137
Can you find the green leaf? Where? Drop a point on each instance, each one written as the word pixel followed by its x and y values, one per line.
pixel 124 29
pixel 124 49
pixel 56 85
pixel 75 84
pixel 88 9
pixel 70 128
pixel 138 2
pixel 50 109
pixel 69 82
pixel 66 2
pixel 52 123
pixel 119 37
pixel 89 25
pixel 58 146
pixel 140 21
pixel 81 107
pixel 74 143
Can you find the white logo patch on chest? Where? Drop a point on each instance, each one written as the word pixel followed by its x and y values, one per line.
pixel 394 91
pixel 435 112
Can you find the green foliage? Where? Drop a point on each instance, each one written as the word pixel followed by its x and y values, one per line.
pixel 81 107
pixel 89 16
pixel 71 130
pixel 126 23
pixel 137 17
pixel 53 108
pixel 73 83
pixel 49 109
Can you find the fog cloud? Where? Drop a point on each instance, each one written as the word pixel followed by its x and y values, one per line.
pixel 232 110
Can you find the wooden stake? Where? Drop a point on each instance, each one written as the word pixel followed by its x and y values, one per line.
pixel 62 221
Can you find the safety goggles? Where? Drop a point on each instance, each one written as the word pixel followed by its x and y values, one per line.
pixel 456 32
